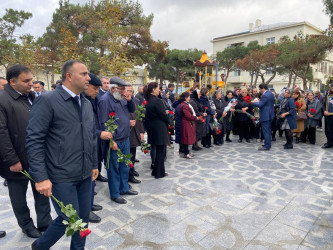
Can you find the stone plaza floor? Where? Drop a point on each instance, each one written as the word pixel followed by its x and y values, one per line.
pixel 228 197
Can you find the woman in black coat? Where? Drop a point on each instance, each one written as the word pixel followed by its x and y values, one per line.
pixel 157 121
pixel 229 120
pixel 220 104
pixel 206 140
pixel 199 111
pixel 244 122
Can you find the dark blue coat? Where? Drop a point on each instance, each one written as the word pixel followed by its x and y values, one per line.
pixel 291 118
pixel 61 139
pixel 266 106
pixel 178 124
pixel 122 108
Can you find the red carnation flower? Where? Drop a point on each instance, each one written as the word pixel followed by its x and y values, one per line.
pixel 206 107
pixel 169 133
pixel 112 114
pixel 218 131
pixel 131 165
pixel 85 233
pixel 144 103
pixel 297 104
pixel 312 110
pixel 146 151
pixel 171 113
pixel 171 127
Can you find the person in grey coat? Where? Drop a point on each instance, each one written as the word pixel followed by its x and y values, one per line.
pixel 312 104
pixel 62 150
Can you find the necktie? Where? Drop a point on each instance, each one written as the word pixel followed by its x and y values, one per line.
pixel 77 99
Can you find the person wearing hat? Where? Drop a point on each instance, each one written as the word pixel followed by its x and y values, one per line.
pixel 91 93
pixel 122 104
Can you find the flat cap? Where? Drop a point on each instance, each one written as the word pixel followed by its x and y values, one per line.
pixel 94 80
pixel 118 81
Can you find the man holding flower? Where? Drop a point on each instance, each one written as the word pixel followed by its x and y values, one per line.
pixel 120 102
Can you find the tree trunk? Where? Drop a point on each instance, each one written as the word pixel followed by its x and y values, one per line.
pixel 177 85
pixel 262 78
pixel 255 81
pixel 271 78
pixel 290 79
pixel 251 83
pixel 305 86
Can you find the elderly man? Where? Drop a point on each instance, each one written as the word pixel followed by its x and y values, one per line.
pixel 139 96
pixel 15 104
pixel 62 150
pixel 122 104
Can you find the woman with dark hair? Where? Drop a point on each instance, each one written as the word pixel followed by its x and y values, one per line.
pixel 287 117
pixel 204 100
pixel 156 121
pixel 300 106
pixel 228 122
pixel 243 120
pixel 199 111
pixel 220 104
pixel 188 124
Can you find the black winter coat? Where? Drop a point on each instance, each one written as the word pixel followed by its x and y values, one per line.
pixel 61 138
pixel 242 104
pixel 14 116
pixel 199 110
pixel 135 139
pixel 157 122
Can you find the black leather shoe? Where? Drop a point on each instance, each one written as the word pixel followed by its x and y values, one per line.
pixel 32 232
pixel 273 139
pixel 119 200
pixel 326 146
pixel 288 146
pixel 2 234
pixel 101 178
pixel 96 207
pixel 136 174
pixel 42 229
pixel 248 141
pixel 131 192
pixel 94 218
pixel 207 146
pixel 5 183
pixel 136 160
pixel 240 140
pixel 263 149
pixel 133 180
pixel 228 140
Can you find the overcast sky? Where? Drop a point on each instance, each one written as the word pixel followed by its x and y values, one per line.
pixel 192 23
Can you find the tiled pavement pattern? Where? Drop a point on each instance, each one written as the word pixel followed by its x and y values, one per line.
pixel 228 197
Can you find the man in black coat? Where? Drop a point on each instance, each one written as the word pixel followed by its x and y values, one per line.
pixel 91 94
pixel 62 150
pixel 15 105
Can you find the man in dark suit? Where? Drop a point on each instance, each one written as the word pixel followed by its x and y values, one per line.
pixel 266 106
pixel 62 150
pixel 15 105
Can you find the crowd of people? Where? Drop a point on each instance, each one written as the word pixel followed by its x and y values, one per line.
pixel 61 138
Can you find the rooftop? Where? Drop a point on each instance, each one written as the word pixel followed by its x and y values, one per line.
pixel 263 28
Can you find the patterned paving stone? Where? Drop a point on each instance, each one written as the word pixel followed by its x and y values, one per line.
pixel 228 197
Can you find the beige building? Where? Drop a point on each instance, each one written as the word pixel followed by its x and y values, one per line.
pixel 268 34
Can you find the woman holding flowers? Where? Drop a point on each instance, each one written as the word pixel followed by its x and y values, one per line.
pixel 157 121
pixel 199 110
pixel 220 104
pixel 188 124
pixel 313 112
pixel 229 120
pixel 204 100
pixel 300 107
pixel 244 122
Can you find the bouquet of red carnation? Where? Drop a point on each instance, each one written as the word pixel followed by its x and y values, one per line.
pixel 216 127
pixel 247 99
pixel 252 118
pixel 145 147
pixel 298 105
pixel 202 119
pixel 312 111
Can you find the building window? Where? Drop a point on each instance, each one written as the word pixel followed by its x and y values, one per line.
pixel 323 67
pixel 236 72
pixel 270 40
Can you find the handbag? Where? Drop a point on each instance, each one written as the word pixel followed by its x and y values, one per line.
pixel 301 116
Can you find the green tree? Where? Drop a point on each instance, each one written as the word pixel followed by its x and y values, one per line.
pixel 9 46
pixel 229 56
pixel 328 4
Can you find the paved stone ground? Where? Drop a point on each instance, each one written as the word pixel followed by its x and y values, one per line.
pixel 228 197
